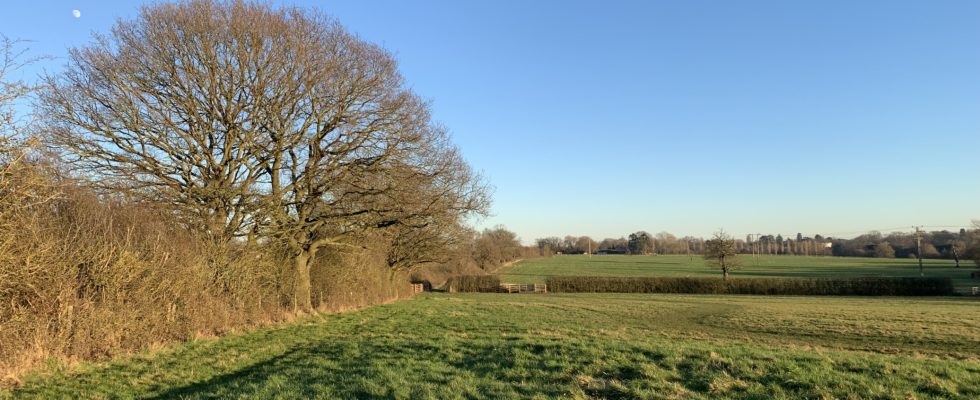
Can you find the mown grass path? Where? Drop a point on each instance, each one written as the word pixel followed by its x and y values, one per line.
pixel 570 346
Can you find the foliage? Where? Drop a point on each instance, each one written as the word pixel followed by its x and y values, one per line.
pixel 640 243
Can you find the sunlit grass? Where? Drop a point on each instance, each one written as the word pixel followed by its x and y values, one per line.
pixel 537 270
pixel 571 346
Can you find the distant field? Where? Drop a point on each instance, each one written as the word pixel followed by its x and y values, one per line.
pixel 536 270
pixel 499 346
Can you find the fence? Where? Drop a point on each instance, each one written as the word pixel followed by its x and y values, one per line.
pixel 523 288
pixel 491 284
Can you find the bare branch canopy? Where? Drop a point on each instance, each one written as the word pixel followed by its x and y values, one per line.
pixel 254 120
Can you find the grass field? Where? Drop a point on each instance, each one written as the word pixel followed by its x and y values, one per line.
pixel 496 346
pixel 537 270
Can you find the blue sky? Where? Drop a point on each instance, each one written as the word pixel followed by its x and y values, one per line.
pixel 603 118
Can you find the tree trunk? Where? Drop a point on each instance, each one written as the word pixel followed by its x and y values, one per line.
pixel 302 291
pixel 724 274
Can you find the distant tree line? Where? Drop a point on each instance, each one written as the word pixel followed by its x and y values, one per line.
pixel 475 253
pixel 497 246
pixel 957 245
pixel 639 242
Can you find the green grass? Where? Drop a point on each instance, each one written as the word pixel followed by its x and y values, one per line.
pixel 499 346
pixel 538 269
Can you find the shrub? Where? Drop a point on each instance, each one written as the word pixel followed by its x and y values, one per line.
pixel 872 286
pixel 474 283
pixel 85 276
pixel 345 279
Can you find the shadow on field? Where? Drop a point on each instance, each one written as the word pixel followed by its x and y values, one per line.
pixel 388 369
pixel 253 373
pixel 625 346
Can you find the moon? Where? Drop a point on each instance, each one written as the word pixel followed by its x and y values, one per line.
pixel 76 13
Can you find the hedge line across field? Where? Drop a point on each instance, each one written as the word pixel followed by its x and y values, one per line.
pixel 474 283
pixel 872 286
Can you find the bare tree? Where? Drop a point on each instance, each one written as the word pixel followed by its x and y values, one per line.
pixel 422 212
pixel 884 250
pixel 169 105
pixel 667 243
pixel 585 244
pixel 12 91
pixel 23 181
pixel 720 252
pixel 973 247
pixel 548 246
pixel 361 154
pixel 250 119
pixel 496 246
pixel 956 248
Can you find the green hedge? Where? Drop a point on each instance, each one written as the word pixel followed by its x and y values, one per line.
pixel 474 283
pixel 768 286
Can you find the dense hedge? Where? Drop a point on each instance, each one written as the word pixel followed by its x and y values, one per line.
pixel 474 283
pixel 769 286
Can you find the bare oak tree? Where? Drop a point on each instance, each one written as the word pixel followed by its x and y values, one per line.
pixel 12 91
pixel 169 105
pixel 23 180
pixel 720 252
pixel 255 120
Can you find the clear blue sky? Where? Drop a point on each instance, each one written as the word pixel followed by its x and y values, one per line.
pixel 603 118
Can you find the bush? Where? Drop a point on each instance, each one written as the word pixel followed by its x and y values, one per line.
pixel 474 283
pixel 760 286
pixel 84 276
pixel 345 279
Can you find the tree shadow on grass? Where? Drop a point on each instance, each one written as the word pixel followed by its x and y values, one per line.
pixel 394 368
pixel 251 374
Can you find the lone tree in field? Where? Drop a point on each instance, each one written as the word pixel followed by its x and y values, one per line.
pixel 275 123
pixel 720 252
pixel 640 243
